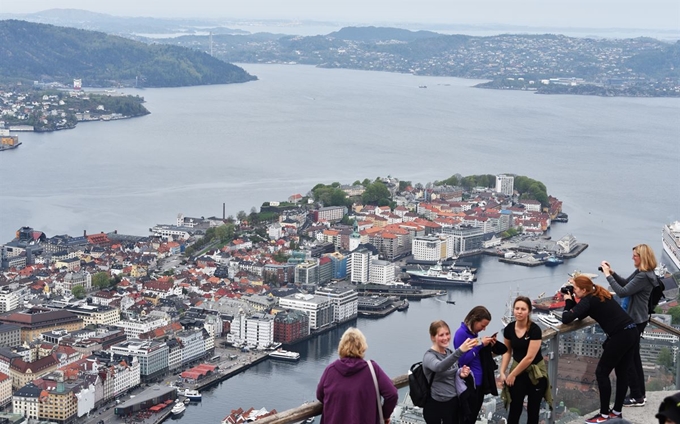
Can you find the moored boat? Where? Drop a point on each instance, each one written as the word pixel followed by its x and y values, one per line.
pixel 284 355
pixel 549 303
pixel 178 408
pixel 553 261
pixel 436 275
pixel 192 394
pixel 403 306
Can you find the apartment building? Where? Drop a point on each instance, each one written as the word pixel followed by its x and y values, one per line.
pixel 152 356
pixel 345 302
pixel 318 308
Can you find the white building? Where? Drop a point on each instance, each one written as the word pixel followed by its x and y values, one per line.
pixel 381 272
pixel 428 248
pixel 345 302
pixel 360 263
pixel 134 328
pixel 318 308
pixel 256 330
pixel 505 184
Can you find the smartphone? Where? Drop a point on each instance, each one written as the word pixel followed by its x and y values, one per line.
pixel 494 334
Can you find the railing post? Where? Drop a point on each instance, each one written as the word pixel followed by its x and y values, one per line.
pixel 553 363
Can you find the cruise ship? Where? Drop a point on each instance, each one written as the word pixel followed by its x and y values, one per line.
pixel 671 242
pixel 284 355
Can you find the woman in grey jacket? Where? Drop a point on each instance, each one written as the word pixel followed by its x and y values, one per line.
pixel 441 407
pixel 638 287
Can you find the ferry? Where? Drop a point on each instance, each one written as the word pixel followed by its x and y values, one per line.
pixel 671 242
pixel 436 275
pixel 192 394
pixel 285 355
pixel 178 408
pixel 585 274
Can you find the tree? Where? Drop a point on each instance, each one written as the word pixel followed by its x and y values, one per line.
pixel 375 192
pixel 675 313
pixel 78 292
pixel 101 280
pixel 665 358
pixel 241 216
pixel 403 185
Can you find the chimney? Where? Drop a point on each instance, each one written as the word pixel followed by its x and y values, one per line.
pixel 224 211
pixel 84 233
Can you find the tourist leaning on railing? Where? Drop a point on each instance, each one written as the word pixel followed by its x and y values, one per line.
pixel 617 354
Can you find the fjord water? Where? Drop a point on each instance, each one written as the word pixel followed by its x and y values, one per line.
pixel 614 162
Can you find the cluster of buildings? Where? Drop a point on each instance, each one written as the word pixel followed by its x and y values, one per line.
pixel 86 318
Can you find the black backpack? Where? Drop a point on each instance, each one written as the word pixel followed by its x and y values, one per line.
pixel 418 386
pixel 656 295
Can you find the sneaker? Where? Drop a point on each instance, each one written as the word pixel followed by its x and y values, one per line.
pixel 613 416
pixel 598 418
pixel 634 402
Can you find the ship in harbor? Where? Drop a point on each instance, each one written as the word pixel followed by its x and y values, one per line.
pixel 553 261
pixel 284 355
pixel 670 239
pixel 551 303
pixel 436 275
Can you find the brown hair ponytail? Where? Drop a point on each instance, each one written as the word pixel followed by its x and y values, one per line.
pixel 585 283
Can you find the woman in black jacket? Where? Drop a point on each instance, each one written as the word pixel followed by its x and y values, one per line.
pixel 617 354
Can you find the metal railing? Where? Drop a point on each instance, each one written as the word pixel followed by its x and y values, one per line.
pixel 551 337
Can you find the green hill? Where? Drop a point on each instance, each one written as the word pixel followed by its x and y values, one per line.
pixel 38 52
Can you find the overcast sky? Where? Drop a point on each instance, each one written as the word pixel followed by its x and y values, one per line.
pixel 656 14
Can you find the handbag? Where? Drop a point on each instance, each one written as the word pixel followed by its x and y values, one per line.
pixel 377 391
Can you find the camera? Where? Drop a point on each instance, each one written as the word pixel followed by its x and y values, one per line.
pixel 569 289
pixel 599 268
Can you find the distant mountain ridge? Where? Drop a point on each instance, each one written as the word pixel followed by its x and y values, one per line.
pixel 41 52
pixel 372 33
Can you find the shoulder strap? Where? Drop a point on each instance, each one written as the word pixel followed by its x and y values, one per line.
pixel 377 391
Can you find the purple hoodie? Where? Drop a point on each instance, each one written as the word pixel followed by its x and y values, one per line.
pixel 347 392
pixel 471 357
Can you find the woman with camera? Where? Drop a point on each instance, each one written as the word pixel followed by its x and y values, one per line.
pixel 617 354
pixel 637 288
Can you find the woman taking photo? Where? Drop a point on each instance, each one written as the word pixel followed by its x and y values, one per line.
pixel 637 288
pixel 479 359
pixel 441 407
pixel 347 390
pixel 528 376
pixel 617 353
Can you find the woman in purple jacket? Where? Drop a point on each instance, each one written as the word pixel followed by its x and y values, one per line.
pixel 474 323
pixel 346 388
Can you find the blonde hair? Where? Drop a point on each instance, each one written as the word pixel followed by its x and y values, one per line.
pixel 585 283
pixel 352 344
pixel 436 325
pixel 647 257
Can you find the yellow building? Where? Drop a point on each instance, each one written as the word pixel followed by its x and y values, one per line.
pixel 5 390
pixel 22 372
pixel 36 321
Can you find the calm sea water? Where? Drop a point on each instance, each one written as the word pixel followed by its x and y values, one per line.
pixel 614 162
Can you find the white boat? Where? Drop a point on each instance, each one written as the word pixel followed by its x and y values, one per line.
pixel 548 320
pixel 178 408
pixel 192 394
pixel 670 239
pixel 284 355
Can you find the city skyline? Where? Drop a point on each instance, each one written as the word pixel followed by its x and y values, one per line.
pixel 653 14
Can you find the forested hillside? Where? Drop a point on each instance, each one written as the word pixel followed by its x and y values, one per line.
pixel 38 52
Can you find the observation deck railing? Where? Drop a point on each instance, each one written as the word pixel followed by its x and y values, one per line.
pixel 551 344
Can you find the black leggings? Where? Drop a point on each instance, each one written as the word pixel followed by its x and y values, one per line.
pixel 617 355
pixel 534 394
pixel 436 412
pixel 636 375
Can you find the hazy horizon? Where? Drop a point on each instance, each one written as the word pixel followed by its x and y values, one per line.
pixel 596 14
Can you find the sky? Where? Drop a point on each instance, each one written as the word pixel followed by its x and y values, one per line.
pixel 650 14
